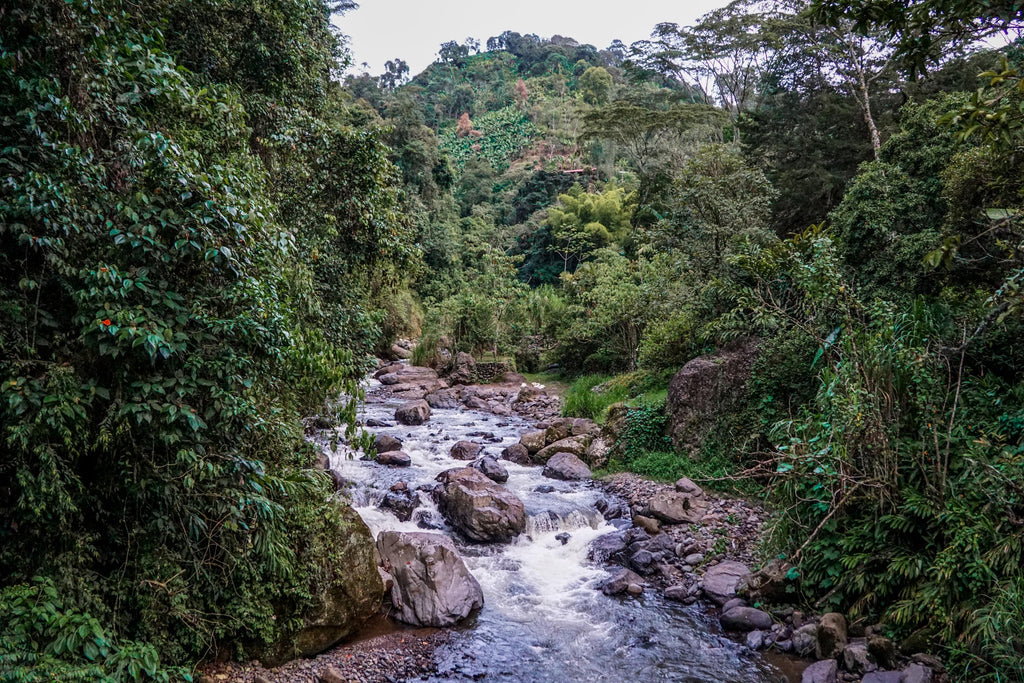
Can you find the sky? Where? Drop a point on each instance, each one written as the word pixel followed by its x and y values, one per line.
pixel 413 30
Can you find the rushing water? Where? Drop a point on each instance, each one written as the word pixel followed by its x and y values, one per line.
pixel 543 619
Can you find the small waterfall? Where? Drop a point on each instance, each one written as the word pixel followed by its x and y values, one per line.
pixel 550 521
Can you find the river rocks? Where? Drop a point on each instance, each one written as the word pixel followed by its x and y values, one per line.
pixel 856 657
pixel 533 441
pixel 682 593
pixel 517 453
pixel 350 593
pixel 394 459
pixel 432 587
pixel 883 677
pixel 826 671
pixel 804 639
pixel 774 583
pixel 672 507
pixel 384 443
pixel 686 485
pixel 608 548
pixel 597 452
pixel 620 582
pixel 577 445
pixel 720 581
pixel 401 502
pixel 917 673
pixel 331 675
pixel 558 430
pixel 831 635
pixel 745 619
pixel 704 388
pixel 883 650
pixel 492 469
pixel 398 351
pixel 482 510
pixel 413 413
pixel 465 450
pixel 566 466
pixel 442 398
pixel 648 524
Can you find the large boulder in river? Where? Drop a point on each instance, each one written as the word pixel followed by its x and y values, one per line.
pixel 672 507
pixel 566 466
pixel 432 586
pixel 413 413
pixel 741 618
pixel 462 369
pixel 482 510
pixel 517 453
pixel 348 594
pixel 465 450
pixel 703 389
pixel 394 459
pixel 720 581
pixel 384 443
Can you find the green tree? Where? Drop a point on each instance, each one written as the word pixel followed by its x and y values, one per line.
pixel 596 85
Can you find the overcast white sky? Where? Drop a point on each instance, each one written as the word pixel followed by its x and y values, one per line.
pixel 414 29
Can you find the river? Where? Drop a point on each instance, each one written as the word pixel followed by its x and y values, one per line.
pixel 543 618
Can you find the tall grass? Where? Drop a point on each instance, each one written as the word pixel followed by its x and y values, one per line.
pixel 589 397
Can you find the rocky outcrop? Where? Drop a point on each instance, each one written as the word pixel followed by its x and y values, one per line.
pixel 413 413
pixel 533 441
pixel 479 508
pixel 566 466
pixel 705 387
pixel 432 586
pixel 577 445
pixel 350 594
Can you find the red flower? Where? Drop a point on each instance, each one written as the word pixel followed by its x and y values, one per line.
pixel 106 322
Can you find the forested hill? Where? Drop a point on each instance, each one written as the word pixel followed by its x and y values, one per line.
pixel 832 194
pixel 210 228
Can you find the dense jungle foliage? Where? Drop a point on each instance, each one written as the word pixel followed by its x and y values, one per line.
pixel 197 239
pixel 208 230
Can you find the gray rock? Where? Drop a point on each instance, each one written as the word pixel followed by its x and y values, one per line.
pixel 401 503
pixel 694 559
pixel 465 450
pixel 735 602
pixel 482 510
pixel 432 587
pixel 518 454
pixel 917 673
pixel 774 583
pixel 563 537
pixel 413 413
pixel 720 580
pixel 492 469
pixel 384 443
pixel 755 640
pixel 442 398
pixel 635 589
pixel 745 619
pixel 394 459
pixel 331 675
pixel 825 671
pixel 618 583
pixel 686 485
pixel 642 561
pixel 678 593
pixel 831 636
pixel 672 507
pixel 804 639
pixel 558 430
pixel 883 650
pixel 566 466
pixel 606 548
pixel 857 659
pixel 400 352
pixel 883 677
pixel 544 488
